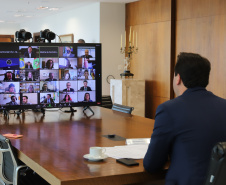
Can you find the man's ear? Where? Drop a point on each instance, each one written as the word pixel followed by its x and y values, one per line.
pixel 178 79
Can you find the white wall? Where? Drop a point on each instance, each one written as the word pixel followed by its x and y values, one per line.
pixel 83 22
pixel 9 28
pixel 95 22
pixel 112 25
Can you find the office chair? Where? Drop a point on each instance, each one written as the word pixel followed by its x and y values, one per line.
pixel 12 170
pixel 122 108
pixel 106 101
pixel 10 165
pixel 217 167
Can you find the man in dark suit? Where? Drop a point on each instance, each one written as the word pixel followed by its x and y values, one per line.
pixel 51 77
pixel 86 54
pixel 187 127
pixel 85 87
pixel 68 89
pixel 48 99
pixel 28 65
pixel 29 53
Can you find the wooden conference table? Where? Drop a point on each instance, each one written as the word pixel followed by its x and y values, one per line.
pixel 53 145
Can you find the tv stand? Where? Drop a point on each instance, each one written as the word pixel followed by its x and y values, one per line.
pixel 43 111
pixel 87 107
pixel 71 110
pixel 19 111
pixel 6 113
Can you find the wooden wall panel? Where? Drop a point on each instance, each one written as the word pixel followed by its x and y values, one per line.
pixel 200 28
pixel 187 9
pixel 204 33
pixel 6 38
pixel 147 11
pixel 151 20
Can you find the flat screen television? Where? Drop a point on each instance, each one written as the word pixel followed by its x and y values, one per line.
pixel 49 75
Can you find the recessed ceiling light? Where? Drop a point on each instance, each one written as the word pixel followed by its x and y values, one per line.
pixel 2 21
pixel 29 16
pixel 18 15
pixel 54 9
pixel 42 7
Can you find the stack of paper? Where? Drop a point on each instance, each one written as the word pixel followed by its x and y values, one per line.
pixel 127 151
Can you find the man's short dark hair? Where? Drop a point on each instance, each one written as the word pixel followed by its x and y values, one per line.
pixel 12 97
pixel 193 69
pixel 81 40
pixel 49 95
pixel 26 97
pixel 85 81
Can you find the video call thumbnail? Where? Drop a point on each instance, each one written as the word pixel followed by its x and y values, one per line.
pixel 29 63
pixel 9 63
pixel 49 75
pixel 49 98
pixel 9 75
pixel 67 51
pixel 29 75
pixel 29 51
pixel 10 99
pixel 9 87
pixel 86 74
pixel 68 63
pixel 86 52
pixel 49 63
pixel 29 98
pixel 68 86
pixel 85 63
pixel 86 85
pixel 67 74
pixel 49 86
pixel 49 52
pixel 29 87
pixel 68 97
pixel 87 96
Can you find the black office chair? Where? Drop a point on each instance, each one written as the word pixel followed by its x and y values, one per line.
pixel 10 165
pixel 217 167
pixel 122 108
pixel 12 170
pixel 106 101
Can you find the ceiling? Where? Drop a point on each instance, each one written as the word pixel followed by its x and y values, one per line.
pixel 18 11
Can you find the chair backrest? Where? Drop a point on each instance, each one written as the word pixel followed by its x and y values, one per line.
pixel 9 161
pixel 217 167
pixel 122 108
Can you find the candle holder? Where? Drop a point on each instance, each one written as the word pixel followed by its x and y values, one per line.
pixel 128 52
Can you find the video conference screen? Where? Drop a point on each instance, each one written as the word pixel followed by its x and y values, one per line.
pixel 42 75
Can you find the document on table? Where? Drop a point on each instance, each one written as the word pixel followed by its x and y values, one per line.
pixel 127 151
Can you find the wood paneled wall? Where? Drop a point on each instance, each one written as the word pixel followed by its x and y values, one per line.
pixel 200 27
pixel 6 38
pixel 151 19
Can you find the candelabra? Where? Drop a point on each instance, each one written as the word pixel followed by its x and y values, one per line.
pixel 127 65
pixel 128 51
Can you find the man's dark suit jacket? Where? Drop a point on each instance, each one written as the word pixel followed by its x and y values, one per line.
pixel 51 101
pixel 49 79
pixel 88 88
pixel 26 55
pixel 186 128
pixel 26 66
pixel 71 90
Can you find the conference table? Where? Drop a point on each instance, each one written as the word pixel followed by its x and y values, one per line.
pixel 53 145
